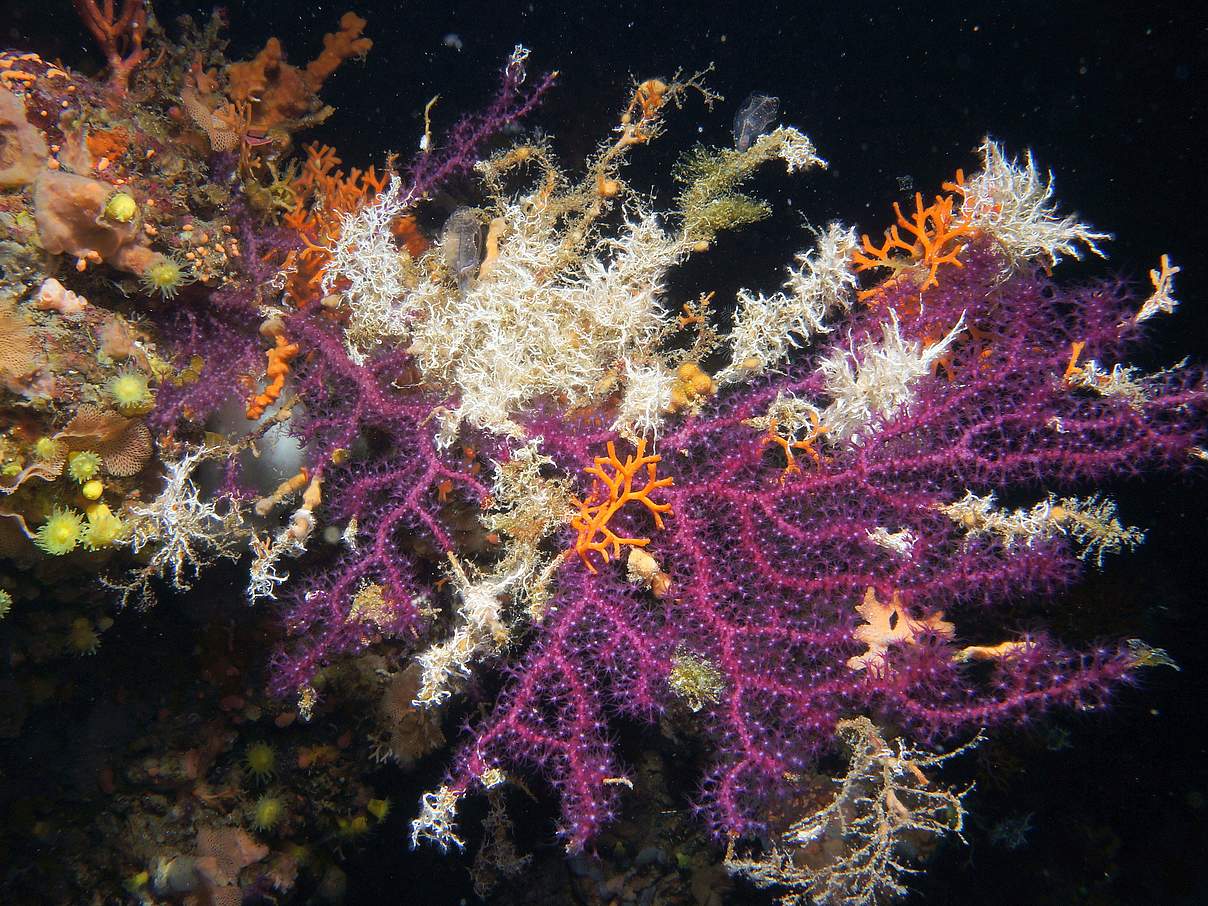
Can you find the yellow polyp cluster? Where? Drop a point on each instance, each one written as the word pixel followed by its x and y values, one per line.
pixel 82 637
pixel 693 386
pixel 260 761
pixel 268 813
pixel 103 529
pixel 353 827
pixel 121 207
pixel 47 449
pixel 165 276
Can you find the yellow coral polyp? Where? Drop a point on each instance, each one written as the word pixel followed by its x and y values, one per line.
pixel 82 637
pixel 165 276
pixel 48 449
pixel 260 761
pixel 103 529
pixel 84 466
pixel 130 391
pixel 268 813
pixel 60 533
pixel 121 207
pixel 93 490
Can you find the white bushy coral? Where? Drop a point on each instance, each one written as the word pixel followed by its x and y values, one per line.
pixel 870 385
pixel 367 266
pixel 539 324
pixel 1013 202
pixel 766 328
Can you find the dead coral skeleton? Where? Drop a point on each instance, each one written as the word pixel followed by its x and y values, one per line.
pixel 882 808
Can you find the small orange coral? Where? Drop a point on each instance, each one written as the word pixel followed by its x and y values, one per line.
pixel 937 234
pixel 595 512
pixel 806 444
pixel 278 369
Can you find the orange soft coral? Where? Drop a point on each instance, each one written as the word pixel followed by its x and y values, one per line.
pixel 279 358
pixel 337 47
pixel 595 512
pixel 280 95
pixel 937 236
pixel 889 623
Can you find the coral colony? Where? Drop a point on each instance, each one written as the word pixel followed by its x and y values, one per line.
pixel 503 446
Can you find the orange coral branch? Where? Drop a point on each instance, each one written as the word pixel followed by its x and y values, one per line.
pixel 120 35
pixel 936 237
pixel 594 513
pixel 337 47
pixel 278 368
pixel 324 193
pixel 806 444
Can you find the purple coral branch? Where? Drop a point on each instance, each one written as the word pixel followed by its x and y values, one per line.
pixel 767 568
pixel 464 141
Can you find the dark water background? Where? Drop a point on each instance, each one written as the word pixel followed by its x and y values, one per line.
pixel 1110 96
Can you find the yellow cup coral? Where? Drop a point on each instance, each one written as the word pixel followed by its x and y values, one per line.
pixel 103 527
pixel 93 490
pixel 129 391
pixel 268 813
pixel 165 276
pixel 61 532
pixel 48 449
pixel 121 207
pixel 84 466
pixel 260 761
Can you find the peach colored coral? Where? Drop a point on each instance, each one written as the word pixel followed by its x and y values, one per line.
pixel 23 150
pixel 68 210
pixel 277 93
pixel 54 296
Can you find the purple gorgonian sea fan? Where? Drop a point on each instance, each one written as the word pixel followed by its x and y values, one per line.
pixel 823 538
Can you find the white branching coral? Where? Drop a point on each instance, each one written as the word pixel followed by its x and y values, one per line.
pixel 900 542
pixel 367 266
pixel 527 509
pixel 647 396
pixel 480 628
pixel 791 146
pixel 1090 521
pixel 539 323
pixel 854 851
pixel 1123 382
pixel 437 820
pixel 870 385
pixel 767 327
pixel 183 532
pixel 1013 202
pixel 1162 299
